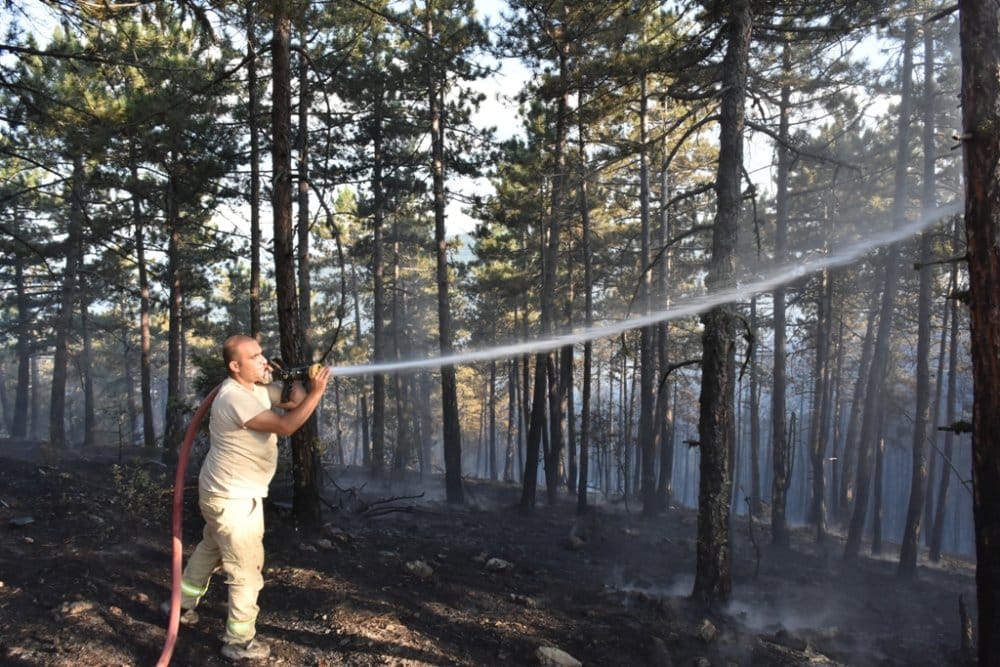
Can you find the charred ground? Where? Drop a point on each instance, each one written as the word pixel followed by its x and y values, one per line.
pixel 85 562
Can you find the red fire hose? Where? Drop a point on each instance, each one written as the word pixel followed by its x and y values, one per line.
pixel 178 512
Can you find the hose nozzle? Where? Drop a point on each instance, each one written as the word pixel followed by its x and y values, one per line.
pixel 301 373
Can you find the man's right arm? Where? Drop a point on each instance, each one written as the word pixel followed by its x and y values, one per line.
pixel 291 421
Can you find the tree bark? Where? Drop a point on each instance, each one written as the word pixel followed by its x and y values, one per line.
pixel 67 300
pixel 305 504
pixel 253 111
pixel 713 576
pixel 780 456
pixel 451 424
pixel 922 417
pixel 880 360
pixel 980 39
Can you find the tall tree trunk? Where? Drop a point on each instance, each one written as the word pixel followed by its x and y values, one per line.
pixel 19 420
pixel 145 336
pixel 647 360
pixel 879 484
pixel 451 424
pixel 362 389
pixel 664 415
pixel 67 300
pixel 713 576
pixel 880 360
pixel 780 456
pixel 378 294
pixel 851 445
pixel 980 37
pixel 755 502
pixel 307 467
pixel 583 480
pixel 87 376
pixel 922 417
pixel 174 421
pixel 253 121
pixel 492 435
pixel 818 440
pixel 949 439
pixel 305 504
pixel 556 393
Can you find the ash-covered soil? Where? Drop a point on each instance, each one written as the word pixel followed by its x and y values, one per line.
pixel 85 563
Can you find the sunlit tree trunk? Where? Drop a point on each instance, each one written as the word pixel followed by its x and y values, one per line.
pixel 87 375
pixel 713 576
pixel 556 388
pixel 880 359
pixel 780 456
pixel 921 413
pixel 755 503
pixel 588 315
pixel 451 425
pixel 305 442
pixel 664 416
pixel 67 300
pixel 18 422
pixel 174 420
pixel 937 532
pixel 817 430
pixel 306 505
pixel 851 445
pixel 647 362
pixel 145 336
pixel 253 122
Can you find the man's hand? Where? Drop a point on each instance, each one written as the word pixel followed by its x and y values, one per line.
pixel 288 423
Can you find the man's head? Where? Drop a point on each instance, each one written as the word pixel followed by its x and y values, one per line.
pixel 244 359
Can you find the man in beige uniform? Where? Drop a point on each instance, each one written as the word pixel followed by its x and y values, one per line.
pixel 233 483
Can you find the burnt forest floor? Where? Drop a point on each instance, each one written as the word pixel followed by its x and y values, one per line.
pixel 400 580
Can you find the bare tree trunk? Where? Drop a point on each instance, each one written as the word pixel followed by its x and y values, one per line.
pixel 306 505
pixel 880 361
pixel 780 456
pixel 588 346
pixel 67 301
pixel 253 121
pixel 145 337
pixel 87 376
pixel 879 484
pixel 492 435
pixel 980 37
pixel 851 445
pixel 922 418
pixel 817 437
pixel 307 471
pixel 949 439
pixel 18 422
pixel 713 575
pixel 362 388
pixel 647 362
pixel 174 420
pixel 755 502
pixel 451 425
pixel 664 417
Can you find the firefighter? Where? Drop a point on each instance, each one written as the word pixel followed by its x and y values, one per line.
pixel 233 483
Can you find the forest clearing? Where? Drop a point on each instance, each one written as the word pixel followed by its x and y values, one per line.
pixel 83 581
pixel 569 332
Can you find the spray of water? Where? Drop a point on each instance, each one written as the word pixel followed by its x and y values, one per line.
pixel 688 307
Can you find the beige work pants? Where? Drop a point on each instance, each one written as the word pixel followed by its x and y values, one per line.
pixel 233 539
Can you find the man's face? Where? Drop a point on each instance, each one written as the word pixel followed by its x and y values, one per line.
pixel 250 364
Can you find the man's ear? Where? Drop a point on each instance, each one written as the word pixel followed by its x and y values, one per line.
pixel 234 366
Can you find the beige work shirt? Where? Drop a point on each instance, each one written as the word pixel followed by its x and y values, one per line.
pixel 240 461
